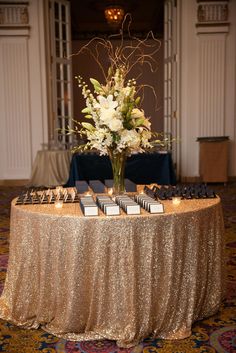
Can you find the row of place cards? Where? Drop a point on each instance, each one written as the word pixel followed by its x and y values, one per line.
pixel 48 197
pixel 112 206
pixel 108 205
pixel 149 204
pixel 90 206
pixel 128 204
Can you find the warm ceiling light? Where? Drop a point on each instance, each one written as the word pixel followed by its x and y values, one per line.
pixel 114 15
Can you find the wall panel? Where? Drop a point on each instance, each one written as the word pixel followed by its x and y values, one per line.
pixel 15 108
pixel 211 58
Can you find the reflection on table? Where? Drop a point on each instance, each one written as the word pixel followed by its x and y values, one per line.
pixel 50 168
pixel 142 168
pixel 120 277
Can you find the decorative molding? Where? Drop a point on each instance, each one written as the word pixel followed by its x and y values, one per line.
pixel 14 31
pixel 212 28
pixel 14 15
pixel 213 12
pixel 212 17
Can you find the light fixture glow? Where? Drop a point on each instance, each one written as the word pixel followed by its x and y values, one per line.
pixel 114 15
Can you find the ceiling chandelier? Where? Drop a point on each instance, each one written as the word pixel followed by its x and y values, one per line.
pixel 114 15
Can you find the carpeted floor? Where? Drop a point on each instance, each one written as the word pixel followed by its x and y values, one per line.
pixel 215 334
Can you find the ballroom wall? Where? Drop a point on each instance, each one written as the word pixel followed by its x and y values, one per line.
pixel 206 59
pixel 207 64
pixel 23 99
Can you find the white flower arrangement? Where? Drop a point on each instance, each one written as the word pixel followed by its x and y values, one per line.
pixel 117 124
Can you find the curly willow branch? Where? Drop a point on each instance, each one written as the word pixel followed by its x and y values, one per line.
pixel 142 88
pixel 135 54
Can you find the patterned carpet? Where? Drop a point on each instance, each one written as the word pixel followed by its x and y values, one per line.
pixel 215 334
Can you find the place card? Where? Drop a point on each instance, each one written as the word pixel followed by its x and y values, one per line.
pixel 28 198
pixel 75 198
pixel 52 197
pixel 210 194
pixel 130 186
pixel 81 186
pixel 88 206
pixel 149 191
pixel 142 199
pixel 89 210
pixel 132 209
pixel 107 205
pixel 69 198
pixel 20 200
pixel 44 198
pixel 97 186
pixel 150 205
pixel 109 183
pixel 111 209
pixel 101 199
pixel 155 207
pixel 128 204
pixel 36 199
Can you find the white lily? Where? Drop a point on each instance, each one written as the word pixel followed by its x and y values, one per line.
pixel 107 102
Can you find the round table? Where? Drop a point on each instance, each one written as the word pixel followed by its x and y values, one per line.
pixel 51 168
pixel 118 277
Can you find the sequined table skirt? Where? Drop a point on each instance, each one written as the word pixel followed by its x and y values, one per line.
pixel 120 277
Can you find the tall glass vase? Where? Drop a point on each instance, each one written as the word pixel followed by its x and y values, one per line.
pixel 118 160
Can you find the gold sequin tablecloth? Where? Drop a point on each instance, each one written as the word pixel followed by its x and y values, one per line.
pixel 118 277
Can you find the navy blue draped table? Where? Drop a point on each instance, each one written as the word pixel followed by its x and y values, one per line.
pixel 142 168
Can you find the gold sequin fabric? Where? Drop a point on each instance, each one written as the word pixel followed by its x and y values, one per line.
pixel 118 277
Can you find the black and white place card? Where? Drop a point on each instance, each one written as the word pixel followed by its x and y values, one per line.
pixel 184 191
pixel 88 206
pixel 107 205
pixel 49 196
pixel 149 204
pixel 128 204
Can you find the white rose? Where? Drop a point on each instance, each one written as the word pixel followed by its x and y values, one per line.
pixel 106 115
pixel 115 125
pixel 130 138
